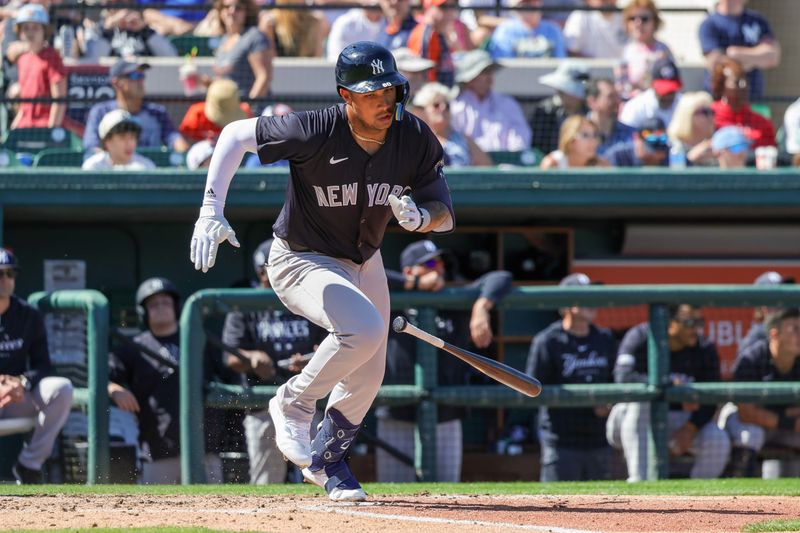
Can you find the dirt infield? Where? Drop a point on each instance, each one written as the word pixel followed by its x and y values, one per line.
pixel 425 513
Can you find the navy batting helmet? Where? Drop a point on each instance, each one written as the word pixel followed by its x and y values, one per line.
pixel 365 66
pixel 153 286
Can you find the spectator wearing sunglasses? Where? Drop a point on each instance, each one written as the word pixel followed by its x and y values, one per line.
pixel 128 78
pixel 577 146
pixel 659 100
pixel 692 428
pixel 27 386
pixel 643 49
pixel 649 147
pixel 730 146
pixel 692 126
pixel 729 86
pixel 424 269
pixel 743 35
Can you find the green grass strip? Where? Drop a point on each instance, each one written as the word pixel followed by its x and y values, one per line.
pixel 677 487
pixel 773 525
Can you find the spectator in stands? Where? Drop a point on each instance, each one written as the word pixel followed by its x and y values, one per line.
pixel 199 155
pixel 143 378
pixel 525 34
pixel 295 32
pixel 244 54
pixel 40 69
pixel 791 128
pixel 602 100
pixel 577 146
pixel 744 36
pixel 730 146
pixel 692 427
pixel 427 39
pixel 750 425
pixel 416 69
pixel 433 99
pixel 205 120
pixel 119 134
pixel 27 386
pixel 174 21
pixel 573 351
pixel 569 81
pixel 692 126
pixel 757 332
pixel 424 269
pixel 266 338
pixel 595 33
pixel 643 49
pixel 649 147
pixel 127 78
pixel 124 33
pixel 657 101
pixel 399 23
pixel 493 120
pixel 732 103
pixel 358 24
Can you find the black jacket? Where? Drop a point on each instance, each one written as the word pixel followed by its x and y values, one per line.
pixel 23 342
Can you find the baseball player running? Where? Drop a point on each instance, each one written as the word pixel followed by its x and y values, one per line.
pixel 352 166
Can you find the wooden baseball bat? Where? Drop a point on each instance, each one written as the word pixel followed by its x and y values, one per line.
pixel 508 376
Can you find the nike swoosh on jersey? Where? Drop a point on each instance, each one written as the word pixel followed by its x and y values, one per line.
pixel 277 142
pixel 334 161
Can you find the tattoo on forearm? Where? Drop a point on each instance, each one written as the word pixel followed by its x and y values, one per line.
pixel 439 214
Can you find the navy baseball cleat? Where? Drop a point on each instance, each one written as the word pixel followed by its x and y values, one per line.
pixel 328 468
pixel 25 475
pixel 292 435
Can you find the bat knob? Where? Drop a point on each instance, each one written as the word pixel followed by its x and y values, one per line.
pixel 399 324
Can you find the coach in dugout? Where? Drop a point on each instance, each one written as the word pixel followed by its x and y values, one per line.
pixel 26 387
pixel 424 269
pixel 573 350
pixel 692 428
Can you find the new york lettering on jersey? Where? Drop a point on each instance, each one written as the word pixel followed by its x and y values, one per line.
pixel 337 196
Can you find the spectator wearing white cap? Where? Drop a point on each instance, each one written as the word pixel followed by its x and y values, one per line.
pixel 199 155
pixel 757 332
pixel 525 34
pixel 595 33
pixel 415 68
pixel 569 81
pixel 355 25
pixel 119 134
pixel 730 146
pixel 433 101
pixel 493 120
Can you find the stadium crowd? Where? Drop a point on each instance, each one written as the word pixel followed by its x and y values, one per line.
pixel 450 52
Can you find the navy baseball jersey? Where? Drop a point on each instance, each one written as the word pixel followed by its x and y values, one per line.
pixel 337 197
pixel 23 342
pixel 558 357
pixel 754 363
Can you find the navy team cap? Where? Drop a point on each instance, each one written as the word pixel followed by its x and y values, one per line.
pixel 261 255
pixel 418 252
pixel 8 259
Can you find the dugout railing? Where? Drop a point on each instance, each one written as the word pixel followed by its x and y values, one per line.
pixel 91 395
pixel 427 396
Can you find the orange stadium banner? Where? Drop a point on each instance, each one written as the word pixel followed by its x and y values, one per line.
pixel 725 326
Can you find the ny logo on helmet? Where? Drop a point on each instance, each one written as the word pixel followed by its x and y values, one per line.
pixel 377 67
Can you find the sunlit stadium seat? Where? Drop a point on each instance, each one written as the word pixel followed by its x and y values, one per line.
pixel 163 158
pixel 522 158
pixel 33 140
pixel 59 157
pixel 185 43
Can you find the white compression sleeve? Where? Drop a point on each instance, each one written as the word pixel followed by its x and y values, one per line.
pixel 236 139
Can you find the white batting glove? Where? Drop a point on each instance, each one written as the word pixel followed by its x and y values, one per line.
pixel 210 230
pixel 407 213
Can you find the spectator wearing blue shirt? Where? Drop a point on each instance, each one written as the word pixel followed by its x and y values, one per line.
pixel 157 128
pixel 603 102
pixel 527 35
pixel 399 23
pixel 649 147
pixel 742 35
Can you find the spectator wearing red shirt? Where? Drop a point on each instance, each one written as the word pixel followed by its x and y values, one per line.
pixel 731 105
pixel 41 71
pixel 205 120
pixel 427 39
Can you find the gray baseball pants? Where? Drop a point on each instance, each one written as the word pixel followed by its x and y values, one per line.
pixel 628 426
pixel 349 300
pixel 50 402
